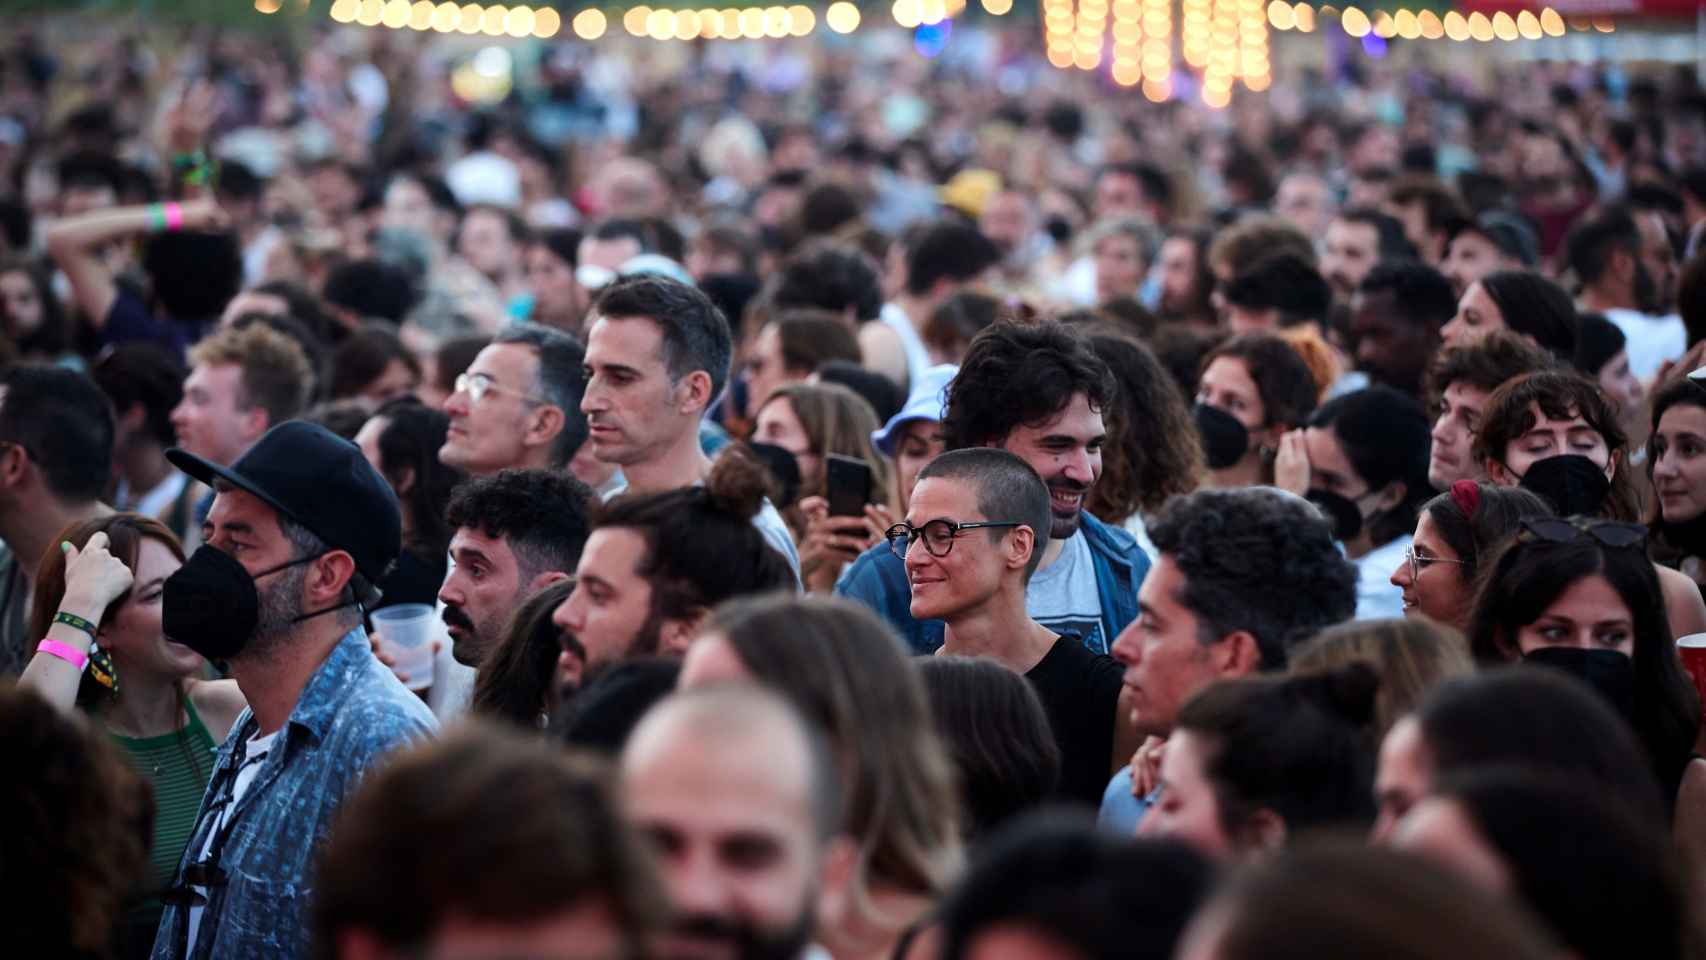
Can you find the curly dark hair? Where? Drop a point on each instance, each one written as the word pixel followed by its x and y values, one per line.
pixel 1259 560
pixel 1485 364
pixel 1153 452
pixel 1018 375
pixel 831 276
pixel 71 883
pixel 543 514
pixel 1282 377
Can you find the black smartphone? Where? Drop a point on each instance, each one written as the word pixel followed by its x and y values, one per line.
pixel 847 484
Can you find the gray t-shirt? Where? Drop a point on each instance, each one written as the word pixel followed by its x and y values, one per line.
pixel 1063 596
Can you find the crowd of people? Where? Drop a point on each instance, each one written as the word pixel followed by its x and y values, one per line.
pixel 811 500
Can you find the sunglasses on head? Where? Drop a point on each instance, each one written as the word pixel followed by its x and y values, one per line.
pixel 1609 533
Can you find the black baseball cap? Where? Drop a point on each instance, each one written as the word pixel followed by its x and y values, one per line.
pixel 321 481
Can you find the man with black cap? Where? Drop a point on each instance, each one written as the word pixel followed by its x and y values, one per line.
pixel 300 530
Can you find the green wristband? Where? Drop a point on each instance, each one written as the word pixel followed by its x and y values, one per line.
pixel 156 217
pixel 75 622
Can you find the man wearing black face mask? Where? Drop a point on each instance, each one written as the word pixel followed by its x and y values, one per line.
pixel 300 529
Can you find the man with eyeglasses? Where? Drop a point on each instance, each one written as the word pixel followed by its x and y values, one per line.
pixel 518 404
pixel 974 533
pixel 1037 391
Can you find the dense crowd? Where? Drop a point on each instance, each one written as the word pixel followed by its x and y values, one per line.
pixel 815 499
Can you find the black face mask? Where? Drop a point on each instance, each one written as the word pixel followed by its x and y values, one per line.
pixel 1342 510
pixel 1224 439
pixel 1572 483
pixel 211 604
pixel 1609 672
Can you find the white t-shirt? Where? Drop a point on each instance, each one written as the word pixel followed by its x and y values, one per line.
pixel 1649 341
pixel 254 754
pixel 917 354
pixel 1377 598
pixel 1063 595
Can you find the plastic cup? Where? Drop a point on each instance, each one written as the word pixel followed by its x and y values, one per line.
pixel 405 635
pixel 1693 651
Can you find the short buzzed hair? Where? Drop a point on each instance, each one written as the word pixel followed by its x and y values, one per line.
pixel 1008 489
pixel 725 712
pixel 277 376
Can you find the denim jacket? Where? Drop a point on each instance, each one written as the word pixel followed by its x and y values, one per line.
pixel 351 713
pixel 877 579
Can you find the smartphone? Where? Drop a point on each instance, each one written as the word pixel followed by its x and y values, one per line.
pixel 847 484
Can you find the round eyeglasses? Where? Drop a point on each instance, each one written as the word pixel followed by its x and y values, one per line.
pixel 938 535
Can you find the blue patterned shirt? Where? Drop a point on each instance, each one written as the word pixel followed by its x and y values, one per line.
pixel 351 713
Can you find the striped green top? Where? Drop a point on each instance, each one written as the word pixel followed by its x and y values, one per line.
pixel 179 766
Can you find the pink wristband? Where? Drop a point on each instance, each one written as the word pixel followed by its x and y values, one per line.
pixel 174 216
pixel 64 651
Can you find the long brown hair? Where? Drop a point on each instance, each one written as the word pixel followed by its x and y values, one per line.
pixel 125 533
pixel 837 420
pixel 517 680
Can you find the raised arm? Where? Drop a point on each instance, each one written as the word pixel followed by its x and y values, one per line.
pixel 93 579
pixel 74 244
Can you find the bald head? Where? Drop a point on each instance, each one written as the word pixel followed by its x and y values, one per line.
pixel 739 799
pixel 741 722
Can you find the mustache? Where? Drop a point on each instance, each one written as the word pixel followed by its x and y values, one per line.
pixel 453 616
pixel 1068 485
pixel 571 644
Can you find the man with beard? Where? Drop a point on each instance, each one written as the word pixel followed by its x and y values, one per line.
pixel 517 532
pixel 741 801
pixel 1038 392
pixel 300 530
pixel 1357 239
pixel 1627 270
pixel 655 564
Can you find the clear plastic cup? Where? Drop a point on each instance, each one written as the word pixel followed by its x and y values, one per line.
pixel 405 635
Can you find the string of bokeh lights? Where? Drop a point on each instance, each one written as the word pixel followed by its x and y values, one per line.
pixel 1222 41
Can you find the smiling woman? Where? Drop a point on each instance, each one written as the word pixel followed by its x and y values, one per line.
pixel 1676 465
pixel 147 691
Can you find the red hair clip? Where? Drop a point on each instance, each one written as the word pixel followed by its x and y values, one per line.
pixel 1467 495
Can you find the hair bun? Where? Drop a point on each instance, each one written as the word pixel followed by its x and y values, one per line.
pixel 738 482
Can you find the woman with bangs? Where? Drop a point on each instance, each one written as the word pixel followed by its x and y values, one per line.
pixel 1554 433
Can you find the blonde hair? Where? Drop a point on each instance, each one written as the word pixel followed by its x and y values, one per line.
pixel 1411 656
pixel 277 376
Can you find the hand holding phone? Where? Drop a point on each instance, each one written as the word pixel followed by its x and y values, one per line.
pixel 847 485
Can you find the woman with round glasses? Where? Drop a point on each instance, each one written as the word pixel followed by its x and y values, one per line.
pixel 1454 532
pixel 1581 596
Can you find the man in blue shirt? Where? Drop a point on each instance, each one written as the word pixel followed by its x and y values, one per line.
pixel 1241 576
pixel 1038 392
pixel 301 527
